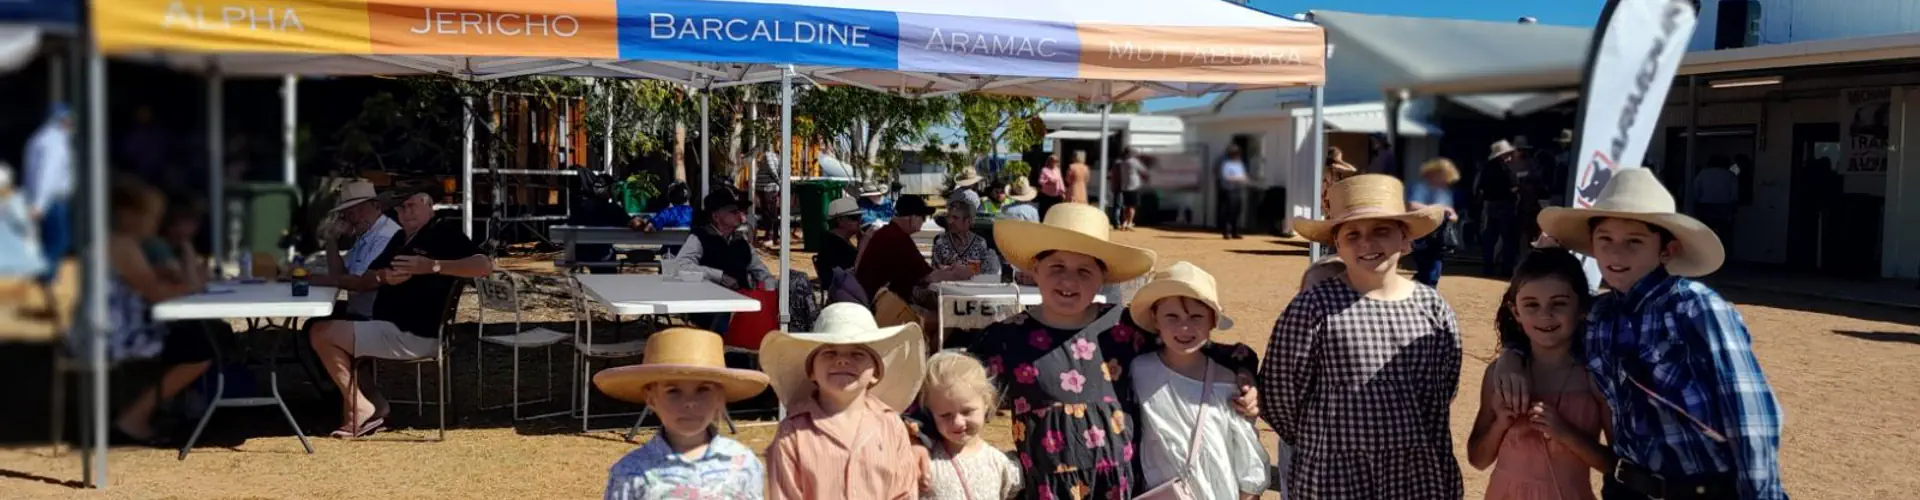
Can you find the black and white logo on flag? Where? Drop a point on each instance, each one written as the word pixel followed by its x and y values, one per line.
pixel 1635 53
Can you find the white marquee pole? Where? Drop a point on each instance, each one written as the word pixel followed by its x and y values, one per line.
pixel 466 166
pixel 706 165
pixel 1315 250
pixel 1106 106
pixel 786 184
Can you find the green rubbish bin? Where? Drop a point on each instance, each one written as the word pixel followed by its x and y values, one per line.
pixel 813 196
pixel 259 215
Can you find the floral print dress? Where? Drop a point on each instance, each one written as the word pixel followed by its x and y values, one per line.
pixel 1073 411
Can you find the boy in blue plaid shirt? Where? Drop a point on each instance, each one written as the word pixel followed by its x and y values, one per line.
pixel 1692 414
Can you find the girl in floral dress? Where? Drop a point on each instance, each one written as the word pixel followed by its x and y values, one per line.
pixel 1061 363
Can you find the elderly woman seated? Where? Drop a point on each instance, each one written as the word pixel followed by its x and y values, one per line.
pixel 959 247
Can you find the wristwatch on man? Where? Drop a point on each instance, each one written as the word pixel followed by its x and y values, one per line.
pixel 436 267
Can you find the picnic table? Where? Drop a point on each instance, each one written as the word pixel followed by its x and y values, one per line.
pixel 652 295
pixel 571 237
pixel 250 301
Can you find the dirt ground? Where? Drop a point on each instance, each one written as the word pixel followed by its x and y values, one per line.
pixel 1844 373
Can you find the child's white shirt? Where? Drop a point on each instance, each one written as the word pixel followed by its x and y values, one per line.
pixel 1230 460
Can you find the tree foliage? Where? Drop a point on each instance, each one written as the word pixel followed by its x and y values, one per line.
pixel 990 121
pixel 857 125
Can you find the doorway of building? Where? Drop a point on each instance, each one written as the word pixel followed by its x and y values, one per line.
pixel 1815 193
pixel 1729 144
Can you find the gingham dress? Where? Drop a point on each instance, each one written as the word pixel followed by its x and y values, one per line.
pixel 1362 388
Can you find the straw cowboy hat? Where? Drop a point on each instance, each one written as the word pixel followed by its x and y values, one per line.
pixel 1182 279
pixel 354 192
pixel 1369 197
pixel 1071 227
pixel 967 177
pixel 873 189
pixel 676 354
pixel 843 207
pixel 1565 137
pixel 1636 194
pixel 902 350
pixel 1501 148
pixel 1021 190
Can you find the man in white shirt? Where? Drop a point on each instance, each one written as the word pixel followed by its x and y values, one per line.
pixel 1716 191
pixel 1233 192
pixel 48 185
pixel 357 211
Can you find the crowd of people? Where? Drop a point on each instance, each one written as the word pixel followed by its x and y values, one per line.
pixel 1653 383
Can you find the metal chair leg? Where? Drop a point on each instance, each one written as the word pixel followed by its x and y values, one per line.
pixel 635 430
pixel 480 359
pixel 58 420
pixel 443 368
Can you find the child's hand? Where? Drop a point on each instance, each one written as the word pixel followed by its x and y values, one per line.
pixel 1549 423
pixel 1248 404
pixel 1512 382
pixel 926 480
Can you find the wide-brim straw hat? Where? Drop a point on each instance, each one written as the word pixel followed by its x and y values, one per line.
pixel 1071 227
pixel 1182 279
pixel 1020 190
pixel 353 193
pixel 1501 148
pixel 873 189
pixel 968 177
pixel 1566 136
pixel 1369 197
pixel 1636 194
pixel 902 350
pixel 843 207
pixel 677 354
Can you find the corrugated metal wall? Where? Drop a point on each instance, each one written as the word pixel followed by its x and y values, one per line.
pixel 1790 21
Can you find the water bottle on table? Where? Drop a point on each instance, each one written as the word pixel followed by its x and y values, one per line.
pixel 299 277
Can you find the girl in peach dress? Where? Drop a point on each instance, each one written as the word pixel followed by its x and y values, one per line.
pixel 1545 446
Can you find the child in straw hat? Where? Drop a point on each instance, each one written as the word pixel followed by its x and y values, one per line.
pixel 1693 415
pixel 683 378
pixel 1188 430
pixel 1071 355
pixel 1361 371
pixel 844 386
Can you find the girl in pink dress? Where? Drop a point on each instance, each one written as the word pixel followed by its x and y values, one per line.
pixel 1545 446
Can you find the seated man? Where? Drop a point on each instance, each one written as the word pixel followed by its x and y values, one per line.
pixel 416 273
pixel 356 213
pixel 843 222
pixel 718 250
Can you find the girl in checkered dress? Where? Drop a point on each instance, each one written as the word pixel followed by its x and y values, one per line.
pixel 1361 370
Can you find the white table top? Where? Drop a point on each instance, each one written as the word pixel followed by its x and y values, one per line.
pixel 1029 295
pixel 260 300
pixel 649 294
pixel 614 235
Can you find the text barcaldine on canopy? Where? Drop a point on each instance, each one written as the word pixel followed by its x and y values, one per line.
pixel 667 26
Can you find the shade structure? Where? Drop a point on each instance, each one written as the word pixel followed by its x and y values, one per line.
pixel 1061 49
pixel 1097 50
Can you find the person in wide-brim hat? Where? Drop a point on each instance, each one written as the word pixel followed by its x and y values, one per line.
pixel 1636 194
pixel 1182 279
pixel 967 177
pixel 900 354
pixel 1071 227
pixel 1021 190
pixel 353 193
pixel 680 354
pixel 1369 197
pixel 1500 148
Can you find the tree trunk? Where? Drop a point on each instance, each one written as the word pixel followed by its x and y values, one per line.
pixel 735 139
pixel 679 151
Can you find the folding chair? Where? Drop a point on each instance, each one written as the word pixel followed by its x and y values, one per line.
pixel 585 351
pixel 501 292
pixel 439 360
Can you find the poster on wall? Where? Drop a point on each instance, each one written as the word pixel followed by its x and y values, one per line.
pixel 1867 131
